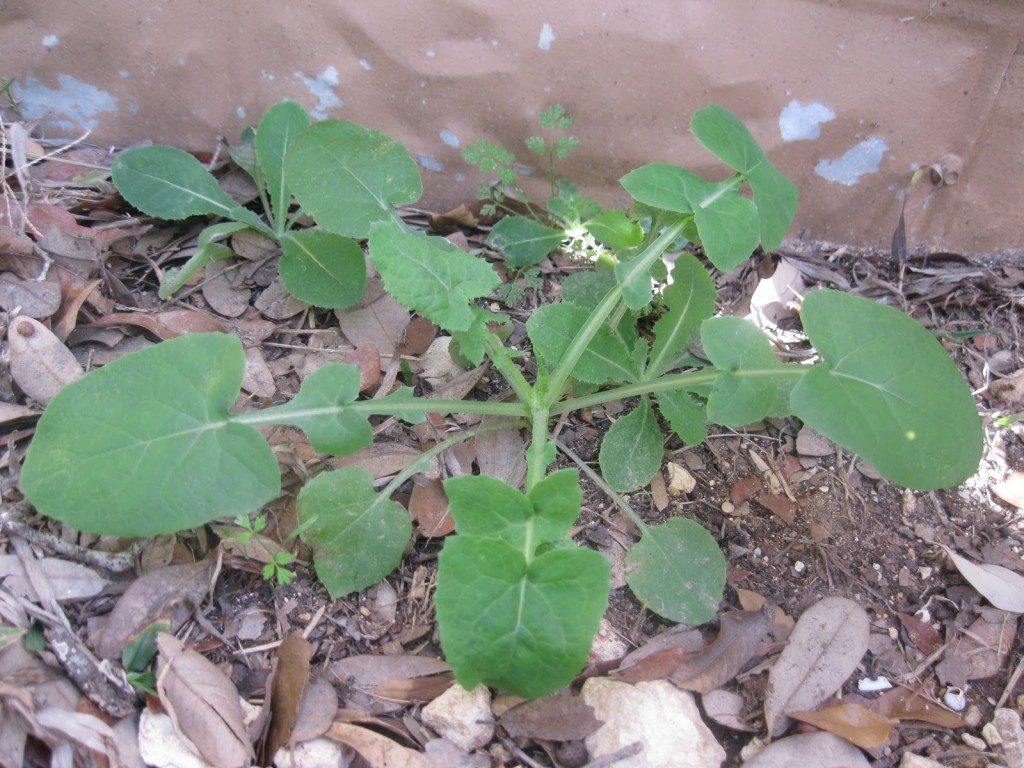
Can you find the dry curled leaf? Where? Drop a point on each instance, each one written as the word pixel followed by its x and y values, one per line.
pixel 70 581
pixel 40 363
pixel 203 704
pixel 809 750
pixel 378 751
pixel 291 674
pixel 166 325
pixel 923 635
pixel 739 635
pixel 30 298
pixel 428 506
pixel 829 640
pixel 726 708
pixel 556 718
pixel 1000 586
pixel 905 704
pixel 850 721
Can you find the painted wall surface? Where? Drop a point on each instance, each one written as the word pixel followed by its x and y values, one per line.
pixel 848 98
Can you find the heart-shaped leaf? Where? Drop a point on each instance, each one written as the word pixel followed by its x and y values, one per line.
pixel 690 299
pixel 279 126
pixel 678 571
pixel 171 184
pixel 347 176
pixel 552 329
pixel 146 445
pixel 322 268
pixel 523 240
pixel 887 391
pixel 517 603
pixel 665 186
pixel 358 535
pixel 728 229
pixel 631 450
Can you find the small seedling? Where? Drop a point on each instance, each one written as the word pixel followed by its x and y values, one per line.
pixel 150 443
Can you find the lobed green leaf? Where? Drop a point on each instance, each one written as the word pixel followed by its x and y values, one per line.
pixel 687 417
pixel 552 329
pixel 523 240
pixel 322 268
pixel 631 451
pixel 615 229
pixel 690 299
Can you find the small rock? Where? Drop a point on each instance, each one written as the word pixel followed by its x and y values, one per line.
pixel 679 479
pixel 974 742
pixel 916 761
pixel 662 718
pixel 607 645
pixel 810 443
pixel 693 462
pixel 317 753
pixel 973 716
pixel 463 717
pixel 1001 361
pixel 1007 723
pixel 990 734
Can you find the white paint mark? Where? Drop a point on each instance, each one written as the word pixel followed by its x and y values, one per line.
pixel 801 122
pixel 240 111
pixel 50 41
pixel 430 53
pixel 322 86
pixel 73 105
pixel 459 177
pixel 547 37
pixel 863 158
pixel 267 75
pixel 450 139
pixel 430 163
pixel 365 64
pixel 124 73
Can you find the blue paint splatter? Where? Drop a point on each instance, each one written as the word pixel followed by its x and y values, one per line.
pixel 459 177
pixel 801 122
pixel 322 86
pixel 72 105
pixel 240 111
pixel 430 163
pixel 547 37
pixel 365 65
pixel 861 159
pixel 50 41
pixel 450 139
pixel 133 107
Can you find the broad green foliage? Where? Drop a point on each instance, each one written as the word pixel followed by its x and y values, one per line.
pixel 145 444
pixel 357 535
pixel 148 444
pixel 518 604
pixel 887 390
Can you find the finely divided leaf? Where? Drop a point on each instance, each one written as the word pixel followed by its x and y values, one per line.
pixel 322 268
pixel 552 329
pixel 319 411
pixel 430 275
pixel 523 240
pixel 631 451
pixel 347 176
pixel 145 445
pixel 281 123
pixel 357 535
pixel 678 571
pixel 171 184
pixel 690 300
pixel 887 391
pixel 747 389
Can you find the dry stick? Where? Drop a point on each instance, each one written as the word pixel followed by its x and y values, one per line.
pixel 1012 683
pixel 519 755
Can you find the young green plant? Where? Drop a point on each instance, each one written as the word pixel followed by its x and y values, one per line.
pixel 150 443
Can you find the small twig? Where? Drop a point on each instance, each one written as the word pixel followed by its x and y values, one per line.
pixel 600 483
pixel 1012 683
pixel 519 755
pixel 627 751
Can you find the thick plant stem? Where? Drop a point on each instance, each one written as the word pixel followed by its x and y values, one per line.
pixel 641 264
pixel 536 461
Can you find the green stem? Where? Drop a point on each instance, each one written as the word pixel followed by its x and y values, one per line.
pixel 620 502
pixel 506 367
pixel 639 265
pixel 536 463
pixel 384 408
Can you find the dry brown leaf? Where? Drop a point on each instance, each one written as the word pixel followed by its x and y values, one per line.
pixel 166 325
pixel 317 708
pixel 28 298
pixel 258 380
pixel 981 652
pixel 502 454
pixel 203 704
pixel 381 324
pixel 275 302
pixel 739 636
pixel 744 488
pixel 809 750
pixel 750 600
pixel 170 593
pixel 379 751
pixel 726 708
pixel 662 655
pixel 778 505
pixel 384 460
pixel 659 492
pixel 826 645
pixel 905 704
pixel 460 216
pixel 70 581
pixel 415 689
pixel 556 718
pixel 851 721
pixel 291 674
pixel 367 359
pixel 12 413
pixel 361 674
pixel 14 243
pixel 428 506
pixel 40 363
pixel 1000 586
pixel 224 289
pixel 253 245
pixel 65 321
pixel 418 336
pixel 923 635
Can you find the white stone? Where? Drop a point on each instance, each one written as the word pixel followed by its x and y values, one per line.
pixel 916 761
pixel 316 753
pixel 662 718
pixel 679 479
pixel 607 645
pixel 463 717
pixel 161 747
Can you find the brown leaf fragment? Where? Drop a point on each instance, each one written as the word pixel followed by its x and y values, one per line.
pixel 275 302
pixel 1011 489
pixel 224 290
pixel 428 505
pixel 69 581
pixel 14 243
pixel 778 505
pixel 65 321
pixel 726 709
pixel 739 635
pixel 29 298
pixel 166 325
pixel 257 379
pixel 367 359
pixel 418 336
pixel 378 751
pixel 809 750
pixel 291 675
pixel 415 689
pixel 906 704
pixel 40 363
pixel 170 593
pixel 383 460
pixel 502 454
pixel 460 216
pixel 556 718
pixel 923 635
pixel 828 642
pixel 1000 586
pixel 744 488
pixel 317 708
pixel 980 652
pixel 11 413
pixel 361 674
pixel 659 492
pixel 661 656
pixel 750 600
pixel 850 721
pixel 381 324
pixel 203 704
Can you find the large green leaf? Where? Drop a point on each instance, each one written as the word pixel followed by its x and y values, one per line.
pixel 281 123
pixel 347 176
pixel 145 445
pixel 430 275
pixel 358 536
pixel 727 138
pixel 690 299
pixel 523 240
pixel 171 184
pixel 207 252
pixel 615 229
pixel 508 616
pixel 888 391
pixel 631 450
pixel 552 329
pixel 665 186
pixel 728 228
pixel 687 417
pixel 678 571
pixel 748 387
pixel 322 268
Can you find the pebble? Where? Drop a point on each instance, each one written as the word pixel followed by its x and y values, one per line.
pixel 679 479
pixel 463 717
pixel 973 716
pixel 974 742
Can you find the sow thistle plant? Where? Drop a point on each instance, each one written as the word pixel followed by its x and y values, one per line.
pixel 150 444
